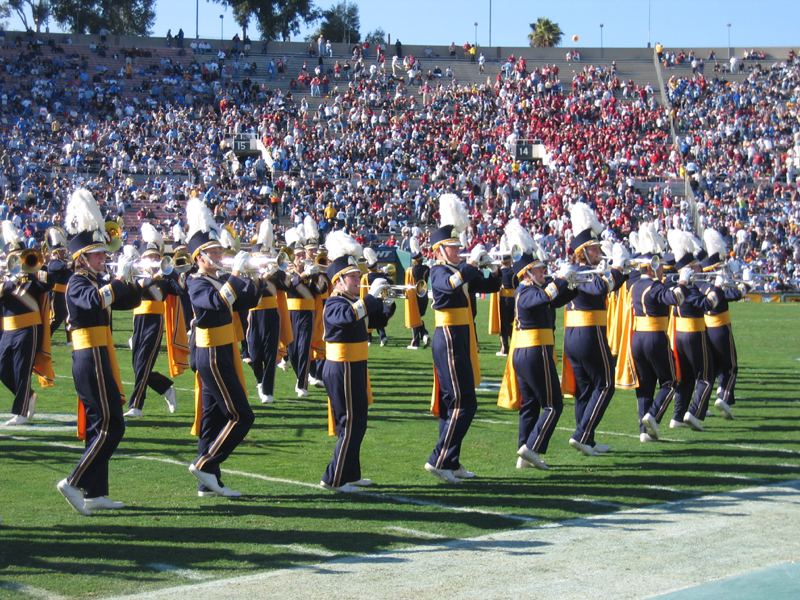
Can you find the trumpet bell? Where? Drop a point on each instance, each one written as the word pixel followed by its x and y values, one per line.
pixel 31 260
pixel 13 264
pixel 182 262
pixel 114 237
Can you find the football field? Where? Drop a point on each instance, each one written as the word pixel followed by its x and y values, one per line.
pixel 167 537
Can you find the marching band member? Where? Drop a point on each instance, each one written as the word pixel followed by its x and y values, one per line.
pixel 90 301
pixel 652 355
pixel 222 414
pixel 690 342
pixel 586 349
pixel 506 303
pixel 345 370
pixel 418 272
pixel 378 321
pixel 264 322
pixel 718 326
pixel 311 233
pixel 304 285
pixel 60 271
pixel 23 297
pixel 531 384
pixel 455 347
pixel 148 328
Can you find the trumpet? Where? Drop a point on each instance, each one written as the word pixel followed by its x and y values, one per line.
pixel 148 267
pixel 182 262
pixel 576 278
pixel 28 261
pixel 114 237
pixel 257 264
pixel 321 258
pixel 399 291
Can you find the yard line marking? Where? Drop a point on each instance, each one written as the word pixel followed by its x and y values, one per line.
pixel 463 509
pixel 743 477
pixel 29 590
pixel 305 550
pixel 187 573
pixel 416 532
pixel 672 489
pixel 788 466
pixel 597 502
pixel 401 499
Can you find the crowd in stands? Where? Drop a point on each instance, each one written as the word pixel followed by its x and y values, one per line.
pixel 381 147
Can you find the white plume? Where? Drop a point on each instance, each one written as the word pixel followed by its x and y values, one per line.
pixel 649 240
pixel 310 228
pixel 516 235
pixel 633 242
pixel 413 245
pixel 199 218
pixel 696 243
pixel 680 243
pixel 715 243
pixel 607 246
pixel 265 235
pixel 11 233
pixel 453 211
pixel 340 244
pixel 294 235
pixel 83 214
pixel 370 256
pixel 227 240
pixel 150 235
pixel 129 251
pixel 583 218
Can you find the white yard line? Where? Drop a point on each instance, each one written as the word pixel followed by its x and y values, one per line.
pixel 31 591
pixel 415 532
pixel 186 573
pixel 298 549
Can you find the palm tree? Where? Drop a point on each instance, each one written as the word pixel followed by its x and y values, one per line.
pixel 545 34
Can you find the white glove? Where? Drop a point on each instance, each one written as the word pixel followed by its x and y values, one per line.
pixel 564 270
pixel 240 262
pixel 124 268
pixel 311 269
pixel 477 255
pixel 377 287
pixel 270 269
pixel 720 281
pixel 685 275
pixel 492 267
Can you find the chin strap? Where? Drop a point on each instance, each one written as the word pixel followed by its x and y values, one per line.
pixel 217 266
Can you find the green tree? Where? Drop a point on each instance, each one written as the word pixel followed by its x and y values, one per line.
pixel 545 33
pixel 376 37
pixel 129 17
pixel 38 10
pixel 339 23
pixel 274 19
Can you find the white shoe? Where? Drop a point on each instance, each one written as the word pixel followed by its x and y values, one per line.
pixel 32 406
pixel 344 489
pixel 650 424
pixel 133 413
pixel 719 404
pixel 101 503
pixel 226 492
pixel 501 353
pixel 316 382
pixel 16 420
pixel 361 483
pixel 720 391
pixel 130 343
pixel 693 422
pixel 601 448
pixel 412 347
pixel 532 457
pixel 673 424
pixel 171 397
pixel 283 365
pixel 445 474
pixel 523 464
pixel 301 393
pixel 426 339
pixel 69 344
pixel 207 479
pixel 583 448
pixel 644 438
pixel 74 496
pixel 384 342
pixel 267 399
pixel 462 473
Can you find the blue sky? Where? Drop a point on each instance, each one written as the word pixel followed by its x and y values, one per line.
pixel 686 25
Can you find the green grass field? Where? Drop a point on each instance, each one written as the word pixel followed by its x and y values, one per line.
pixel 167 536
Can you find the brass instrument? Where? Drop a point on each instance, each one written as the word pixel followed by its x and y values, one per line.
pixel 399 291
pixel 50 233
pixel 237 240
pixel 321 258
pixel 257 264
pixel 148 267
pixel 115 237
pixel 182 262
pixel 31 260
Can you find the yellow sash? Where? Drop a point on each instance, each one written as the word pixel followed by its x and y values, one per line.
pixel 301 304
pixel 211 338
pixel 585 318
pixel 651 323
pixel 317 339
pixel 494 313
pixel 60 287
pixel 413 318
pixel 177 339
pixel 719 320
pixel 287 335
pixel 686 325
pixel 96 337
pixel 151 307
pixel 266 303
pixel 625 376
pixel 21 321
pixel 43 361
pixel 509 396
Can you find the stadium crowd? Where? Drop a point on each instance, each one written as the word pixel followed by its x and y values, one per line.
pixel 381 147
